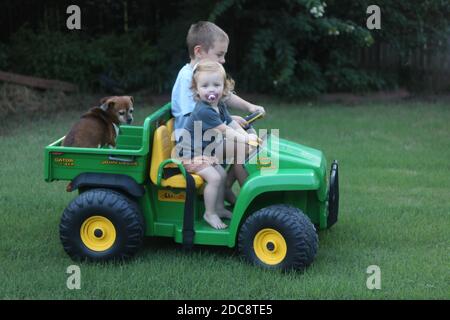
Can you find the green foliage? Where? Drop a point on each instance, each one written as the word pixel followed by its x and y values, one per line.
pixel 291 45
pixel 130 59
pixel 292 48
pixel 343 74
pixel 52 55
pixel 415 23
pixel 127 58
pixel 305 47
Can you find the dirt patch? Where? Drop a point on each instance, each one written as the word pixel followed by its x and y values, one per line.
pixel 16 100
pixel 19 101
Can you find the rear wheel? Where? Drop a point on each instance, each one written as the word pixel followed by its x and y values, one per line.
pixel 278 237
pixel 101 225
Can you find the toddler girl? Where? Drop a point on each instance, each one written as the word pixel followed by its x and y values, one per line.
pixel 202 136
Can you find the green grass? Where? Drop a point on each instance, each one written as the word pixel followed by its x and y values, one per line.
pixel 395 202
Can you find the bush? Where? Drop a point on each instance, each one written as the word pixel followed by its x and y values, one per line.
pixel 291 48
pixel 305 47
pixel 293 44
pixel 126 61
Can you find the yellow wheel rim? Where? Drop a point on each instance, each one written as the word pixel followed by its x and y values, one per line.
pixel 270 246
pixel 98 233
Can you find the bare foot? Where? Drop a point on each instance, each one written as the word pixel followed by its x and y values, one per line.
pixel 214 221
pixel 224 213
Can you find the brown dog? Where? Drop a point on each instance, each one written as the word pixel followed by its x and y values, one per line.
pixel 100 125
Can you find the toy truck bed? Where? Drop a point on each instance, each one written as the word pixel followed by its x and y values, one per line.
pixel 130 157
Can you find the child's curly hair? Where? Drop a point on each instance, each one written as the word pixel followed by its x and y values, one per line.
pixel 212 66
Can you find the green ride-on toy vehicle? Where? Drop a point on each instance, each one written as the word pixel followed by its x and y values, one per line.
pixel 137 190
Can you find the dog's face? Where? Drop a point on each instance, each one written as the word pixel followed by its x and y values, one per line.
pixel 121 107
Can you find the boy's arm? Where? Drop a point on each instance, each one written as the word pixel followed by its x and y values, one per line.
pixel 241 121
pixel 237 102
pixel 237 126
pixel 182 100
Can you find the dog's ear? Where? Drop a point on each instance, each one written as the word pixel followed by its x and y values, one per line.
pixel 104 99
pixel 131 98
pixel 107 105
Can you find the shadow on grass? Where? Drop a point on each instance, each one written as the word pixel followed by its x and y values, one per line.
pixel 168 245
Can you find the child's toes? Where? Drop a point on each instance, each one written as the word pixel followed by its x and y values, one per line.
pixel 214 221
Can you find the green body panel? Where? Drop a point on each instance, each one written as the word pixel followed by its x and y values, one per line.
pixel 258 187
pixel 290 156
pixel 280 172
pixel 283 172
pixel 130 157
pixel 164 218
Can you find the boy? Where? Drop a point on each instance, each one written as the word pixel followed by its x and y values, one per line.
pixel 206 41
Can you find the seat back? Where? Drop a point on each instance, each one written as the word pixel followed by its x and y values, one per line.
pixel 170 127
pixel 161 150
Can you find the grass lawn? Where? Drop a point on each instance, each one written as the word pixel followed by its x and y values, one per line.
pixel 395 213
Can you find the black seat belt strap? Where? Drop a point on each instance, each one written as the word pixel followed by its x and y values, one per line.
pixel 188 220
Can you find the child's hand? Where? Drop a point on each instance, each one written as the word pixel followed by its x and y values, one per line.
pixel 241 121
pixel 253 140
pixel 254 108
pixel 253 144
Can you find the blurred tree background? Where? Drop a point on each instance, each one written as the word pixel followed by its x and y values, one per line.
pixel 290 48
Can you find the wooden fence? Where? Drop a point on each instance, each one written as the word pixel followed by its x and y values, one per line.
pixel 426 68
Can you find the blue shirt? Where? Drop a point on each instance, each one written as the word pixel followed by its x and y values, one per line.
pixel 183 102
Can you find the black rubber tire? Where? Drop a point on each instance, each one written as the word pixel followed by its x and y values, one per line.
pixel 131 200
pixel 333 195
pixel 123 213
pixel 295 227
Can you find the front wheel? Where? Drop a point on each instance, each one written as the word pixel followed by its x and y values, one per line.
pixel 278 237
pixel 101 225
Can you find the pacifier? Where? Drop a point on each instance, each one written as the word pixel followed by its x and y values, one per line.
pixel 212 97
